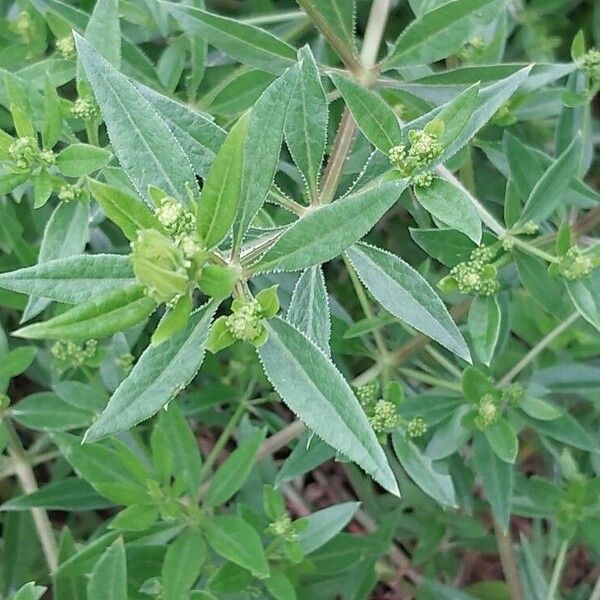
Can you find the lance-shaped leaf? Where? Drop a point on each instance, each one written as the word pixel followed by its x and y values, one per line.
pixel 404 293
pixel 309 308
pixel 125 210
pixel 451 205
pixel 156 378
pixel 324 233
pixel 335 19
pixel 496 478
pixel 143 143
pixel 220 196
pixel 197 133
pixel 585 294
pixel 103 30
pixel 373 115
pixel 442 32
pixel 421 470
pixel 485 321
pixel 306 123
pixel 72 280
pixel 246 43
pixel 549 191
pixel 108 580
pixel 65 235
pixel 313 388
pixel 262 148
pixel 103 315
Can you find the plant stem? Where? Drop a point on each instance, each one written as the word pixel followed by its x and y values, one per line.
pixel 596 591
pixel 374 32
pixel 276 196
pixel 288 15
pixel 223 439
pixel 531 249
pixel 509 562
pixel 537 349
pixel 366 307
pixel 26 478
pixel 557 571
pixel 430 379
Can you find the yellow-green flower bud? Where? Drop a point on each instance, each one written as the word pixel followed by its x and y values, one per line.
pixel 513 393
pixel 575 265
pixel 24 153
pixel 71 354
pixel 85 108
pixel 424 147
pixel 125 362
pixel 245 321
pixel 159 265
pixel 416 427
pixel 65 46
pixel 423 179
pixel 384 416
pixel 397 155
pixel 487 412
pixel 368 394
pixel 70 193
pixel 173 216
pixel 283 527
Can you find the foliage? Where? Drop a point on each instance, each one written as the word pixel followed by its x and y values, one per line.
pixel 250 249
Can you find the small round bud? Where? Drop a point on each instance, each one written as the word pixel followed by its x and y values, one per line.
pixel 125 362
pixel 575 265
pixel 173 216
pixel 384 416
pixel 424 147
pixel 283 528
pixel 423 179
pixel 85 108
pixel 367 394
pixel 397 154
pixel 24 153
pixel 487 412
pixel 71 354
pixel 245 323
pixel 416 427
pixel 65 46
pixel 70 193
pixel 530 228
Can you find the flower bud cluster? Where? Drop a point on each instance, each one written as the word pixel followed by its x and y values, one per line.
pixel 23 26
pixel 384 416
pixel 70 193
pixel 174 217
pixel 26 155
pixel 72 354
pixel 368 394
pixel 125 362
pixel 477 276
pixel 245 322
pixel 575 265
pixel 513 394
pixel 65 46
pixel 85 108
pixel 416 427
pixel 589 63
pixel 283 527
pixel 422 149
pixel 487 412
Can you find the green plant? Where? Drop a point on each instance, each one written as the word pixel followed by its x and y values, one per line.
pixel 229 248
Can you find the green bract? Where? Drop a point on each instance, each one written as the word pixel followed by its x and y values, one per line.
pixel 380 219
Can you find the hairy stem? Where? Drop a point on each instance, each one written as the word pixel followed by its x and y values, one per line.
pixel 26 478
pixel 538 348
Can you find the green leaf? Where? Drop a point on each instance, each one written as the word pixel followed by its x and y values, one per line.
pixel 234 539
pixel 503 440
pixel 421 469
pixel 496 478
pixel 174 320
pixel 29 591
pixel 16 361
pixel 108 580
pixel 309 308
pixel 308 453
pixel 262 147
pixel 540 409
pixel 446 245
pixel 565 429
pixel 136 517
pixel 405 294
pixel 313 388
pixel 456 114
pixel 306 122
pixel 372 114
pixel 451 205
pixel 550 189
pixel 324 524
pixel 78 160
pixel 196 132
pixel 585 294
pixel 441 32
pixel 158 375
pixel 525 168
pixel 103 31
pixel 484 324
pixel 450 435
pixel 279 586
pixel 336 19
pixel 142 141
pixel 72 280
pixel 52 115
pixel 232 474
pixel 325 232
pixel 70 494
pixel 183 562
pixel 112 311
pixel 66 234
pixel 246 43
pixel 125 210
pixel 220 196
pixel 45 411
